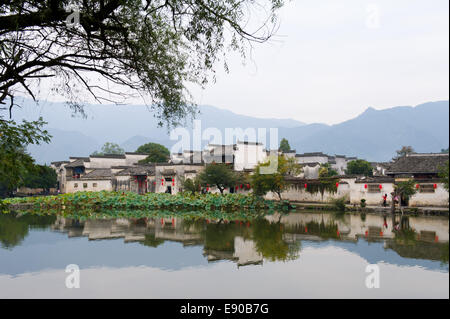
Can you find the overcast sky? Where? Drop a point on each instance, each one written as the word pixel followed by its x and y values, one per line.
pixel 333 59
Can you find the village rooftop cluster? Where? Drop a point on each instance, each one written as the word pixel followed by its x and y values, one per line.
pixel 124 173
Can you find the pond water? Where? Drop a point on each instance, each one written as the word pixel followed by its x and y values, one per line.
pixel 295 255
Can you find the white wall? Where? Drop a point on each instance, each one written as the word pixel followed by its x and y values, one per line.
pixel 439 198
pixel 247 156
pixel 301 195
pixel 132 159
pixel 312 159
pixel 311 172
pixel 102 162
pixel 358 192
pixel 102 185
pixel 341 165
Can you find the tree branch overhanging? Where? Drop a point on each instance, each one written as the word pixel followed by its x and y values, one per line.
pixel 140 47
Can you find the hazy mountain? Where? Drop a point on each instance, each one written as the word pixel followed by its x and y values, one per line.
pixel 374 135
pixel 63 145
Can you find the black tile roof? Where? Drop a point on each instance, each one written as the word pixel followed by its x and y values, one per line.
pixel 98 173
pixel 77 163
pixel 134 153
pixel 118 156
pixel 418 163
pixel 311 154
pixel 137 170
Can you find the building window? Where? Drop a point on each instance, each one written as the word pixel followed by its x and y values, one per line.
pixel 168 179
pixel 75 185
pixel 426 188
pixel 94 185
pixel 84 185
pixel 373 188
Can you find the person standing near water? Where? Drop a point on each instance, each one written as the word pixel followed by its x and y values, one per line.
pixel 384 200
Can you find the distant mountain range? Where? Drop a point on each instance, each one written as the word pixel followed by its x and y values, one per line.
pixel 374 135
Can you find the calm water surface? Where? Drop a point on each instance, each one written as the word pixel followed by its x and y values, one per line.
pixel 299 255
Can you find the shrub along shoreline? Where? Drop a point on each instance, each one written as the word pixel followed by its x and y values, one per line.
pixel 101 201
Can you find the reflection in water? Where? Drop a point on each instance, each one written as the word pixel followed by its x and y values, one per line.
pixel 14 228
pixel 296 255
pixel 275 237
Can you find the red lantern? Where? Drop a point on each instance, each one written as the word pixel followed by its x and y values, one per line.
pixel 435 186
pixel 248 186
pixel 381 186
pixel 337 184
pixel 365 186
pixel 306 185
pixel 242 186
pixel 417 186
pixel 207 189
pixel 162 179
pixel 173 183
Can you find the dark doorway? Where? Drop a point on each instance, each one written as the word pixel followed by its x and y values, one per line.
pixel 404 200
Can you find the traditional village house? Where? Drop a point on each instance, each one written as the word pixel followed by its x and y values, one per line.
pixel 424 170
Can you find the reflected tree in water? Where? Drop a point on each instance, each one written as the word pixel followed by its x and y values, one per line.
pixel 151 241
pixel 14 228
pixel 221 236
pixel 270 243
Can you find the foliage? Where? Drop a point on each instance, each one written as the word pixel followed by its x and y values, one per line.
pixel 92 202
pixel 326 171
pixel 110 148
pixel 322 185
pixel 41 176
pixel 147 48
pixel 363 203
pixel 220 236
pixel 363 215
pixel 13 230
pixel 405 188
pixel 157 153
pixel 405 150
pixel 220 175
pixel 275 182
pixel 14 161
pixel 270 244
pixel 444 150
pixel 443 174
pixel 191 185
pixel 339 204
pixel 151 241
pixel 359 167
pixel 284 146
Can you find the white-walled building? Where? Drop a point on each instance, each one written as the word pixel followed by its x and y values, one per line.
pixel 248 154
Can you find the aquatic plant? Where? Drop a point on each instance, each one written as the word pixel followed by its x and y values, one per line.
pixel 339 204
pixel 99 201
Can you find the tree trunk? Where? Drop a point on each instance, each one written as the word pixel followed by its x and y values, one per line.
pixel 279 195
pixel 393 203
